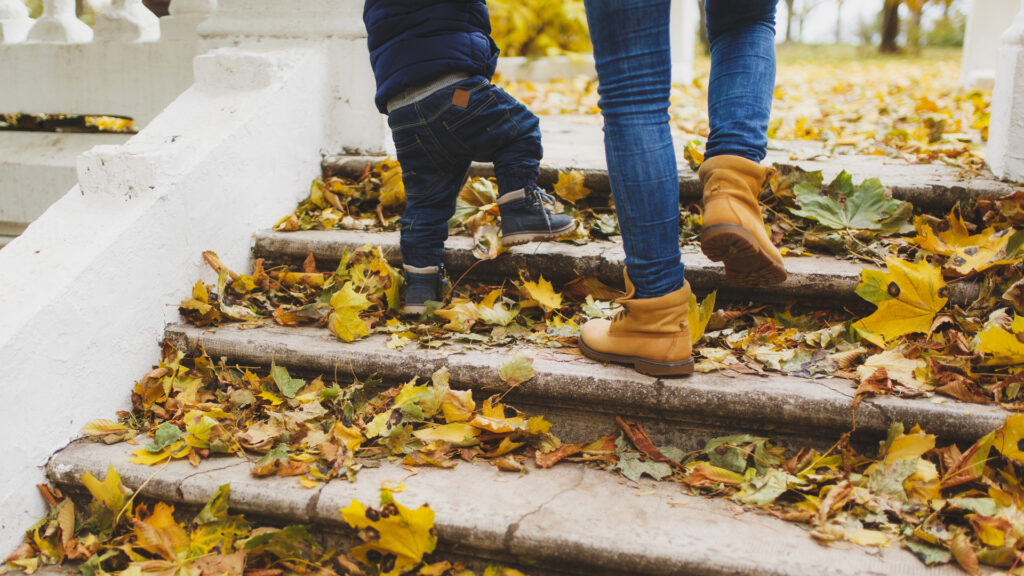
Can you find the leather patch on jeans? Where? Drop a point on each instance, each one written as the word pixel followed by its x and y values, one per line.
pixel 460 98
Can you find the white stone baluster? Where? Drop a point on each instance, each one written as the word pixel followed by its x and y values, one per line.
pixel 1005 154
pixel 986 22
pixel 185 16
pixel 14 21
pixel 59 24
pixel 127 21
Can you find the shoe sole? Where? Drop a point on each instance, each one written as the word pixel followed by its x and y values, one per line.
pixel 641 365
pixel 524 237
pixel 413 310
pixel 746 264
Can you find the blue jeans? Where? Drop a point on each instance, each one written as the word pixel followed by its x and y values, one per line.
pixel 436 140
pixel 634 68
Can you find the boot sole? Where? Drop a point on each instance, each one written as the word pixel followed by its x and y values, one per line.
pixel 641 365
pixel 529 236
pixel 745 263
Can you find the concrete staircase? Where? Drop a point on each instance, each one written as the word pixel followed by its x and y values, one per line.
pixel 569 519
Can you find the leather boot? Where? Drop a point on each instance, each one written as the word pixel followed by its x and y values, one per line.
pixel 652 334
pixel 734 232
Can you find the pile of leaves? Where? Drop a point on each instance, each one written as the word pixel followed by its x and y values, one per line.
pixel 375 201
pixel 116 534
pixel 940 503
pixel 907 108
pixel 195 409
pixel 66 123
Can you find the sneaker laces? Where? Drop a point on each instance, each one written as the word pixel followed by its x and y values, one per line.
pixel 543 199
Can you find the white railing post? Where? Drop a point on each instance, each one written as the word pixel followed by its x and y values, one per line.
pixel 186 15
pixel 1005 154
pixel 986 22
pixel 14 21
pixel 127 21
pixel 59 24
pixel 684 21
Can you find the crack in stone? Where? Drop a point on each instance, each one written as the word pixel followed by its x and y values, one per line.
pixel 510 533
pixel 181 494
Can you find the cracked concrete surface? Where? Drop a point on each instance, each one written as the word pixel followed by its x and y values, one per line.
pixel 569 518
pixel 781 404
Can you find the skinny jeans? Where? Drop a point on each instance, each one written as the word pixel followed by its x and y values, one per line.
pixel 634 69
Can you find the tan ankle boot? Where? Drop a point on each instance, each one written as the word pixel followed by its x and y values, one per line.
pixel 652 334
pixel 734 232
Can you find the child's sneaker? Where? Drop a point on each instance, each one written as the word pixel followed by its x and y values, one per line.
pixel 422 285
pixel 525 218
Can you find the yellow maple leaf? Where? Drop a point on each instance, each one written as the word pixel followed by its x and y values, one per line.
pixel 699 316
pixel 109 491
pixel 392 191
pixel 160 534
pixel 345 322
pixel 347 325
pixel 456 434
pixel 544 293
pixel 461 314
pixel 967 253
pixel 914 293
pixel 108 431
pixel 1009 438
pixel 1000 347
pixel 403 532
pixel 570 187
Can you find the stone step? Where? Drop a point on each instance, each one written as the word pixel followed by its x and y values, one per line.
pixel 820 281
pixel 582 396
pixel 577 143
pixel 569 519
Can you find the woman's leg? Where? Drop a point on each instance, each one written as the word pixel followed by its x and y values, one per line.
pixel 742 38
pixel 634 68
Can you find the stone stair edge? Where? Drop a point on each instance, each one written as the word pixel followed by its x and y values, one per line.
pixel 939 194
pixel 568 518
pixel 822 279
pixel 790 407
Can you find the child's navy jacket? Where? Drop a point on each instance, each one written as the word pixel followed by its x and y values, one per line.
pixel 415 41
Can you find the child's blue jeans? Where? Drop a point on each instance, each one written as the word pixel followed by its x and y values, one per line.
pixel 634 67
pixel 436 140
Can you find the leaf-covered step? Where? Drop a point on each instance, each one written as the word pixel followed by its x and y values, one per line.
pixel 927 186
pixel 569 519
pixel 582 396
pixel 819 281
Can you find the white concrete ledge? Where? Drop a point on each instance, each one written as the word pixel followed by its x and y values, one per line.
pixel 86 287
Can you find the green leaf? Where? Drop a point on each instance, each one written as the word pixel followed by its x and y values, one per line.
pixel 516 370
pixel 166 435
pixel 285 383
pixel 764 489
pixel 841 206
pixel 216 508
pixel 633 467
pixel 930 555
pixel 983 506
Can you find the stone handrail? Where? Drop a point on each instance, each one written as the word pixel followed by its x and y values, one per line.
pixel 131 63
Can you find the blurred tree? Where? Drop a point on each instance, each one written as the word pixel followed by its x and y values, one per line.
pixel 789 21
pixel 916 8
pixel 702 30
pixel 539 27
pixel 890 27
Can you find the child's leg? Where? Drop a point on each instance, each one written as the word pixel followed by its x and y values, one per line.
pixel 432 182
pixel 488 125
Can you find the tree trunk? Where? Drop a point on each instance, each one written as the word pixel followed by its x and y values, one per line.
pixel 839 21
pixel 914 33
pixel 789 21
pixel 702 32
pixel 890 27
pixel 79 8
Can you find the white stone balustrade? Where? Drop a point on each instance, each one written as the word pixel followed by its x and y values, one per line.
pixel 127 21
pixel 986 22
pixel 59 24
pixel 14 21
pixel 1005 154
